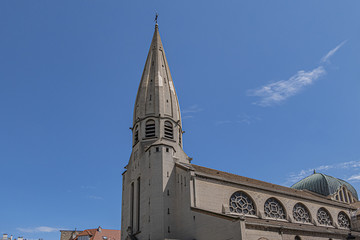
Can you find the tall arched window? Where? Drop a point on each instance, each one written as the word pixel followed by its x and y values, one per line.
pixel 274 209
pixel 150 128
pixel 301 213
pixel 242 203
pixel 345 194
pixel 323 217
pixel 297 238
pixel 350 199
pixel 136 134
pixel 343 220
pixel 168 130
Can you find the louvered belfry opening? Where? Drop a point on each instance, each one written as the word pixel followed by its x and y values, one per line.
pixel 168 130
pixel 150 129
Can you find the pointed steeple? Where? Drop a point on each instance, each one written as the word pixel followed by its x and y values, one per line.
pixel 156 97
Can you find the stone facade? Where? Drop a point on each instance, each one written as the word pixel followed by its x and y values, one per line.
pixel 165 196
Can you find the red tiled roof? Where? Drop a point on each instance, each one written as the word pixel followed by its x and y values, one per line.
pixel 104 234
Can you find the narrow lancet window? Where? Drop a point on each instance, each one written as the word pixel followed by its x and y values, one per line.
pixel 168 130
pixel 150 128
pixel 345 194
pixel 138 205
pixel 132 206
pixel 136 135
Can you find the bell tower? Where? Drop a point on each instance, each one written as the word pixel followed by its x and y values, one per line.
pixel 149 178
pixel 156 111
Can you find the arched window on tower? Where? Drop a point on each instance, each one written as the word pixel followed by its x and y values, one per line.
pixel 150 128
pixel 136 134
pixel 168 130
pixel 180 133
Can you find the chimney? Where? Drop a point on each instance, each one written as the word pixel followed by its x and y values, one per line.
pixel 20 238
pixel 11 237
pixel 99 229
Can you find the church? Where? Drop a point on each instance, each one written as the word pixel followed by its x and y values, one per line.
pixel 166 196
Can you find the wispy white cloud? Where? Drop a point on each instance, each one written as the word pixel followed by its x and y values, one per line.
pixel 39 229
pixel 297 176
pixel 279 91
pixel 351 164
pixel 239 119
pixel 247 119
pixel 190 111
pixel 354 178
pixel 95 197
pixel 332 52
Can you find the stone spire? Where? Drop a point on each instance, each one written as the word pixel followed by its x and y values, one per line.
pixel 156 94
pixel 156 98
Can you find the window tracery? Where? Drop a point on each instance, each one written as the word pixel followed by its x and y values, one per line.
pixel 343 220
pixel 274 209
pixel 241 203
pixel 301 213
pixel 323 217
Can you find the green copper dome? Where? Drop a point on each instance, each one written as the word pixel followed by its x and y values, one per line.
pixel 323 184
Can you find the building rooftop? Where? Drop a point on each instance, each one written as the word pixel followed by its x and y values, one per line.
pixel 100 234
pixel 323 184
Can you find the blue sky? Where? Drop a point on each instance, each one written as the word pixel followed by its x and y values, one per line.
pixel 267 89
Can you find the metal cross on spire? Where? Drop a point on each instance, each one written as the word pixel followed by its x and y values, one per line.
pixel 156 17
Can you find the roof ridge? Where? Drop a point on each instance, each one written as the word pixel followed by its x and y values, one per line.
pixel 327 182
